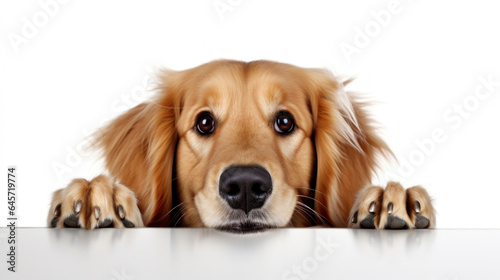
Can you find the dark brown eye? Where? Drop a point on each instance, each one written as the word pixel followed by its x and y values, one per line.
pixel 284 123
pixel 205 124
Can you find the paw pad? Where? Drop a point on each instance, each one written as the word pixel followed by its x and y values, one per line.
pixel 368 222
pixel 422 222
pixel 72 221
pixel 395 223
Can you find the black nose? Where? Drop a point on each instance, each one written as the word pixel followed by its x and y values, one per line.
pixel 245 187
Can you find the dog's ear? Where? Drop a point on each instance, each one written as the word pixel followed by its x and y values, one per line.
pixel 346 146
pixel 139 150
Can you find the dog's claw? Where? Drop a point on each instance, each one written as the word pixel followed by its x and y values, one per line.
pixel 390 208
pixel 371 209
pixel 78 207
pixel 97 212
pixel 355 217
pixel 57 211
pixel 121 212
pixel 417 206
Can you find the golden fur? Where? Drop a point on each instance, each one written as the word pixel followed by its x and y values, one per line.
pixel 318 171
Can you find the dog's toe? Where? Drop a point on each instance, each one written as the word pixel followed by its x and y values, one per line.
pixel 420 208
pixel 369 221
pixel 367 208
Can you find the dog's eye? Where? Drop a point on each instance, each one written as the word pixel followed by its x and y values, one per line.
pixel 205 124
pixel 284 123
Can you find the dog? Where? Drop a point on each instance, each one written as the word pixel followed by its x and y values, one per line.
pixel 242 147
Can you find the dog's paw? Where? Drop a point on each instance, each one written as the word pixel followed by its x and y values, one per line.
pixel 392 208
pixel 99 203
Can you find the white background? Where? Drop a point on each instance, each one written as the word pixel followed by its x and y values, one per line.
pixel 69 67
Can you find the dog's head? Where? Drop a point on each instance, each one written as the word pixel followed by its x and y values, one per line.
pixel 245 146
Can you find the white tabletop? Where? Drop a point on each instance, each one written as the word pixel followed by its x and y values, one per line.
pixel 195 253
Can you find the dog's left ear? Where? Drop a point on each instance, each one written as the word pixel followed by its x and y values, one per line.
pixel 346 146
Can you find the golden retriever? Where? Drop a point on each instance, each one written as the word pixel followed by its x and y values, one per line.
pixel 242 147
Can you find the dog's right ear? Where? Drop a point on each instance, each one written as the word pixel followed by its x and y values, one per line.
pixel 347 146
pixel 139 149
